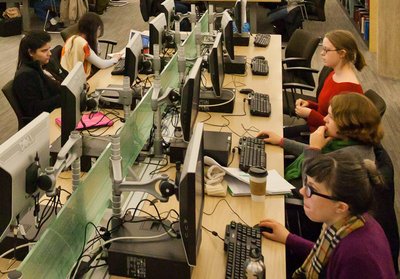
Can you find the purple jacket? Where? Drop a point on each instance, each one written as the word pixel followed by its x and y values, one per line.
pixel 364 253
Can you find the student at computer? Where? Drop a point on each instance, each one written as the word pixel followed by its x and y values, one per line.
pixel 341 53
pixel 83 47
pixel 36 91
pixel 337 192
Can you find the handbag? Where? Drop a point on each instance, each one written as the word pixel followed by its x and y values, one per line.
pixel 12 12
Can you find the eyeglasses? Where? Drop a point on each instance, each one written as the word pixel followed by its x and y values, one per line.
pixel 326 50
pixel 309 190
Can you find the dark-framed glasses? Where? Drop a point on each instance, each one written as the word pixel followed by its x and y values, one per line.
pixel 309 191
pixel 326 50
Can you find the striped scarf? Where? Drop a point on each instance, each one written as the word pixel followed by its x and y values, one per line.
pixel 326 243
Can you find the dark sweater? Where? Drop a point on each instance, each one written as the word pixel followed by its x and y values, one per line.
pixel 364 253
pixel 35 91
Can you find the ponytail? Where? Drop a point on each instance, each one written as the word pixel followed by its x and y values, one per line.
pixel 359 61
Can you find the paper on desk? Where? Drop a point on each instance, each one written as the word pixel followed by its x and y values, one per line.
pixel 238 181
pixel 122 53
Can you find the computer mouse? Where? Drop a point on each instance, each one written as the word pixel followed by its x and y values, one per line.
pixel 246 91
pixel 263 229
pixel 264 136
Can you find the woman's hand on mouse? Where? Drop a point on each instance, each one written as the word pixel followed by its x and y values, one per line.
pixel 279 232
pixel 270 137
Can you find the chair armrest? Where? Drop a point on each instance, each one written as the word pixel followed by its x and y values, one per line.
pixel 291 59
pixel 304 69
pixel 296 85
pixel 106 41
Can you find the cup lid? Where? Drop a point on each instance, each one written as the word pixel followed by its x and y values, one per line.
pixel 258 172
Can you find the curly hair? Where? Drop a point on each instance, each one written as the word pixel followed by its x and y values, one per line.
pixel 357 118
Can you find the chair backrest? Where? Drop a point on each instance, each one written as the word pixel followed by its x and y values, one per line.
pixel 69 31
pixel 9 94
pixel 54 65
pixel 378 101
pixel 323 74
pixel 302 44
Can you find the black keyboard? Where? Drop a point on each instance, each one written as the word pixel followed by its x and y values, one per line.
pixel 239 239
pixel 252 153
pixel 262 40
pixel 119 68
pixel 259 66
pixel 259 104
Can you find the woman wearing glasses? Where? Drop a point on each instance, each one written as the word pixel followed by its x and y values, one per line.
pixel 337 192
pixel 341 53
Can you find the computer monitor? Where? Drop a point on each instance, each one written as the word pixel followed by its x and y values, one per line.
pixel 157 28
pixel 190 99
pixel 73 93
pixel 168 8
pixel 216 65
pixel 17 154
pixel 132 57
pixel 227 31
pixel 237 13
pixel 191 195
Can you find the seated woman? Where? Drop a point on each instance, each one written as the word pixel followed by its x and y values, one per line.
pixel 339 52
pixel 35 90
pixel 84 46
pixel 337 192
pixel 352 123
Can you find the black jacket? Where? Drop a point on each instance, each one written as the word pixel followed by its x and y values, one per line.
pixel 35 91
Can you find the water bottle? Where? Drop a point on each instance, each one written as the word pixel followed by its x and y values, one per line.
pixel 254 266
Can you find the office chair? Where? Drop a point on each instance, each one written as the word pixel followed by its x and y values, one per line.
pixel 54 65
pixel 298 53
pixel 315 9
pixel 14 103
pixel 73 30
pixel 378 101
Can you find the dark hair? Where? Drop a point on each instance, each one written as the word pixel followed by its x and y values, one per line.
pixel 348 178
pixel 344 40
pixel 357 118
pixel 32 41
pixel 88 25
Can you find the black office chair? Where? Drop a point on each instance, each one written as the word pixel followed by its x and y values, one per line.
pixel 14 103
pixel 73 30
pixel 315 9
pixel 378 101
pixel 54 65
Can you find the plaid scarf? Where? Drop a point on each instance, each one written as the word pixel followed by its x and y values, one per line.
pixel 326 243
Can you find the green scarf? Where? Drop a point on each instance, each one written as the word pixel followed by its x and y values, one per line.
pixel 293 171
pixel 328 240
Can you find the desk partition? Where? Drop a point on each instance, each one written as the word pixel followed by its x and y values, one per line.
pixel 61 244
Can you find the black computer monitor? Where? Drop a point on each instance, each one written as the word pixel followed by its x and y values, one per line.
pixel 191 195
pixel 73 93
pixel 132 55
pixel 168 9
pixel 157 28
pixel 227 31
pixel 17 154
pixel 237 13
pixel 216 65
pixel 190 99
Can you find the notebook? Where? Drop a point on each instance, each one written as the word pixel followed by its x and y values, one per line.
pixel 91 120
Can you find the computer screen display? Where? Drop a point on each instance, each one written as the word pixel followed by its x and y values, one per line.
pixel 190 99
pixel 191 195
pixel 168 9
pixel 73 93
pixel 237 12
pixel 16 155
pixel 132 56
pixel 216 65
pixel 227 31
pixel 157 28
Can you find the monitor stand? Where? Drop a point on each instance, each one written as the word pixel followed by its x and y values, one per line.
pixel 241 39
pixel 147 258
pixel 227 99
pixel 235 66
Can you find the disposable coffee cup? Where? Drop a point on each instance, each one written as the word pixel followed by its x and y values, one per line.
pixel 258 183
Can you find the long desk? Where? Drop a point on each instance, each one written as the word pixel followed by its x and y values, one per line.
pixel 211 258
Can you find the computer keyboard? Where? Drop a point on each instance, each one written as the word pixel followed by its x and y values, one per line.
pixel 252 153
pixel 119 68
pixel 259 66
pixel 262 40
pixel 239 239
pixel 259 104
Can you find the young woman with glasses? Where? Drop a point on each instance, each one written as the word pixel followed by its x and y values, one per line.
pixel 338 192
pixel 341 53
